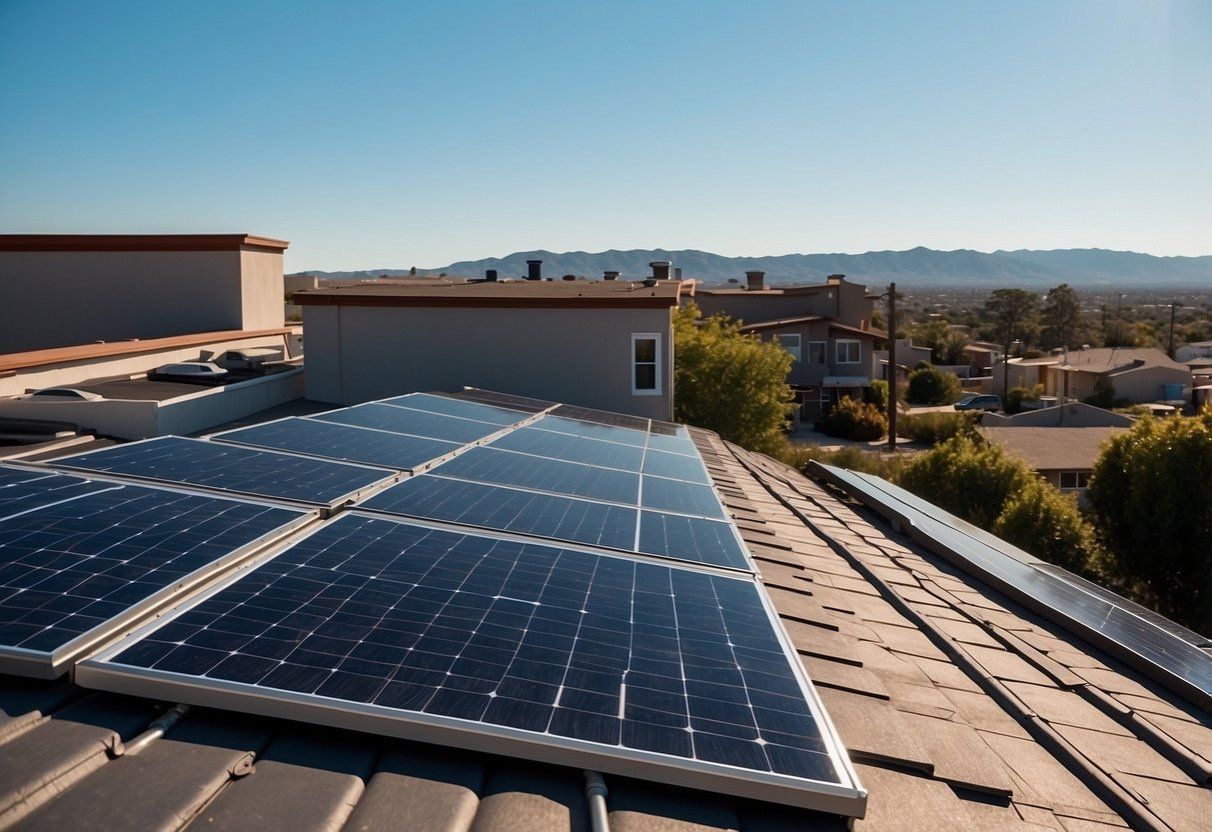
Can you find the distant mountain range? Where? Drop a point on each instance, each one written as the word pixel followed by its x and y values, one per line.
pixel 919 266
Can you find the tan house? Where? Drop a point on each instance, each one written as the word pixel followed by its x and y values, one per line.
pixel 1064 456
pixel 606 344
pixel 826 328
pixel 122 287
pixel 1137 374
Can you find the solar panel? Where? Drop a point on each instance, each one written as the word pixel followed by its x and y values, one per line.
pixel 400 419
pixel 459 407
pixel 604 417
pixel 694 539
pixel 675 466
pixel 22 490
pixel 592 430
pixel 548 653
pixel 485 464
pixel 524 403
pixel 572 448
pixel 682 497
pixel 510 510
pixel 680 443
pixel 343 442
pixel 232 468
pixel 1138 640
pixel 73 572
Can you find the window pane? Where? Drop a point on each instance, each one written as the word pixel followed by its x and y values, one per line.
pixel 645 349
pixel 645 376
pixel 816 352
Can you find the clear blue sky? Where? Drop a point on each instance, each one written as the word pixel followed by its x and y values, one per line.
pixel 419 133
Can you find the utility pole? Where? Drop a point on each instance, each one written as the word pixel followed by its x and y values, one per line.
pixel 892 375
pixel 1171 350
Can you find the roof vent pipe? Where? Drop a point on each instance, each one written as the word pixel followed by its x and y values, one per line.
pixel 610 275
pixel 534 269
pixel 490 276
pixel 660 269
pixel 677 273
pixel 755 281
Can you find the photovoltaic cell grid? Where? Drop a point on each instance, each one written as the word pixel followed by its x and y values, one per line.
pixel 523 403
pixel 231 468
pixel 562 518
pixel 342 442
pixel 22 490
pixel 1155 651
pixel 460 408
pixel 68 568
pixel 400 419
pixel 559 645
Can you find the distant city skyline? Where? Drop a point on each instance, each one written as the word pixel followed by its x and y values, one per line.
pixel 384 135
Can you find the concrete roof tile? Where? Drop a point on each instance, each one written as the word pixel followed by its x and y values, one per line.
pixel 960 755
pixel 873 730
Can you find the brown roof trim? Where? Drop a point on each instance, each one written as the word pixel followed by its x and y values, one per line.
pixel 431 302
pixel 782 323
pixel 140 242
pixel 871 333
pixel 85 352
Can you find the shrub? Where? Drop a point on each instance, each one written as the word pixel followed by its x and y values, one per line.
pixel 852 457
pixel 729 382
pixel 879 395
pixel 1150 496
pixel 1048 524
pixel 929 386
pixel 932 428
pixel 852 419
pixel 970 479
pixel 1015 397
pixel 1104 394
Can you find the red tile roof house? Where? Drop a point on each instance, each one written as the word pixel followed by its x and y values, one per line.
pixel 826 328
pixel 961 709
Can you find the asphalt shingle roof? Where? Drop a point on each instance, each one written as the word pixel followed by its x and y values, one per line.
pixel 961 710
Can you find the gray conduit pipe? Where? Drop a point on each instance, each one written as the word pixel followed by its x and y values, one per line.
pixel 595 794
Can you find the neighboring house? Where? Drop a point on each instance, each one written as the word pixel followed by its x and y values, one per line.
pixel 826 328
pixel 1138 375
pixel 1070 414
pixel 604 343
pixel 1193 351
pixel 982 357
pixel 1064 456
pixel 907 357
pixel 84 288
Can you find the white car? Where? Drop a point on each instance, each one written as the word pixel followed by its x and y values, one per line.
pixel 200 371
pixel 61 394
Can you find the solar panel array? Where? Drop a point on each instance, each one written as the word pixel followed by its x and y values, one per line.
pixel 1152 644
pixel 73 568
pixel 516 576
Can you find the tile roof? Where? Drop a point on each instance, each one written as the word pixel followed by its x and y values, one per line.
pixel 961 710
pixel 1053 448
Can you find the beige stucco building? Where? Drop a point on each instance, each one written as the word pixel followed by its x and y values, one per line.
pixel 103 287
pixel 601 344
pixel 1136 374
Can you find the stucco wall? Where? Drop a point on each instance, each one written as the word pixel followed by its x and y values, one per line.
pixel 118 295
pixel 847 302
pixel 579 356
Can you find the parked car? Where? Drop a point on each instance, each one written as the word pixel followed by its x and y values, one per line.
pixel 984 401
pixel 61 393
pixel 193 372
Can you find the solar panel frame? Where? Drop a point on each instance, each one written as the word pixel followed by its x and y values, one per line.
pixel 1165 656
pixel 419 465
pixel 510 401
pixel 51 664
pixel 458 428
pixel 385 475
pixel 846 797
pixel 459 408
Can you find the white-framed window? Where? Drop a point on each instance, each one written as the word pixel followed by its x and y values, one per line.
pixel 817 352
pixel 846 351
pixel 1074 479
pixel 791 343
pixel 645 364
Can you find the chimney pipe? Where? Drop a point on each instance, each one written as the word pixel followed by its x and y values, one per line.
pixel 534 269
pixel 660 269
pixel 610 275
pixel 490 276
pixel 755 281
pixel 677 273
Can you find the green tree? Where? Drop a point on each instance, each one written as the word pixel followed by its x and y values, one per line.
pixel 729 382
pixel 1150 494
pixel 928 385
pixel 851 419
pixel 1012 315
pixel 1061 318
pixel 1048 524
pixel 968 478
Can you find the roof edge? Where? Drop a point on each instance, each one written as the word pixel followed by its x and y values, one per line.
pixel 140 242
